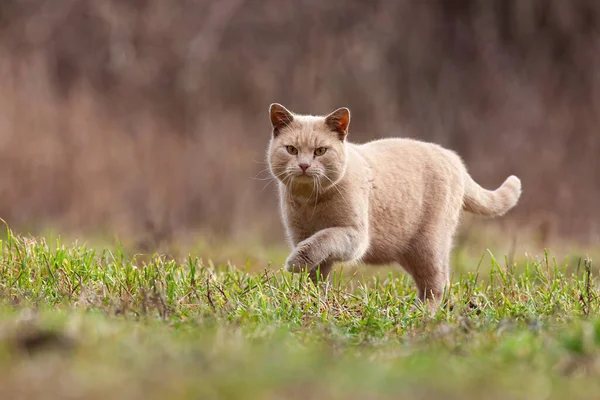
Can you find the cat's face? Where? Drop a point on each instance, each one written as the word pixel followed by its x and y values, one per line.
pixel 307 150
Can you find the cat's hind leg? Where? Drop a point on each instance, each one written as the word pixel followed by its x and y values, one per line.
pixel 428 262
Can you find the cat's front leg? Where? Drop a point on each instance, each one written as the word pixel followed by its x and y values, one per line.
pixel 299 259
pixel 331 244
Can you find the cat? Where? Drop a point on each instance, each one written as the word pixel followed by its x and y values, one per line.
pixel 391 200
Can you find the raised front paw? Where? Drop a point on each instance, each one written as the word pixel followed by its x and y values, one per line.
pixel 298 260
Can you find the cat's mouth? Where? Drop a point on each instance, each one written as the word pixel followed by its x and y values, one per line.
pixel 305 175
pixel 308 173
pixel 303 178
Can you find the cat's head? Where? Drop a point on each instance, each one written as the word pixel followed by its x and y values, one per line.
pixel 307 149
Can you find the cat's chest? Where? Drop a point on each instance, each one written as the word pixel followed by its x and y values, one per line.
pixel 303 220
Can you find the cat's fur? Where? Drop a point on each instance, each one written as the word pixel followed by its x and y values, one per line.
pixel 389 200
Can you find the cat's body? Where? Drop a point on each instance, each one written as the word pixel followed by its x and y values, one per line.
pixel 390 200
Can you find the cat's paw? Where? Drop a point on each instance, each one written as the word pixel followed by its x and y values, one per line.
pixel 298 260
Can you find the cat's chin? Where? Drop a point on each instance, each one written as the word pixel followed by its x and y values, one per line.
pixel 302 178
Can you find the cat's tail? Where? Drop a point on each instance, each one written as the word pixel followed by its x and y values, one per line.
pixel 478 200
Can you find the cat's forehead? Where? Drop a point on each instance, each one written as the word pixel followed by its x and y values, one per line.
pixel 308 130
pixel 309 119
pixel 308 124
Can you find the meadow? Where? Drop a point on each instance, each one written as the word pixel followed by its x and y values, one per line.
pixel 79 322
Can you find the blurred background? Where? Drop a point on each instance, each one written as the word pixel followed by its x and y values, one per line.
pixel 148 119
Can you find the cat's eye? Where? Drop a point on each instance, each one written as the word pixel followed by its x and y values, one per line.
pixel 320 151
pixel 292 150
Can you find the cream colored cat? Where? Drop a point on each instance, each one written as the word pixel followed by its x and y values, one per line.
pixel 389 200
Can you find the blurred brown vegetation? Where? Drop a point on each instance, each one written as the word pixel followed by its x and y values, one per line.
pixel 150 116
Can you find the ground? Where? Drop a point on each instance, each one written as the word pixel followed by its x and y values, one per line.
pixel 87 323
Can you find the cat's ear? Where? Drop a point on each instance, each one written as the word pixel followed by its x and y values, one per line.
pixel 280 117
pixel 338 122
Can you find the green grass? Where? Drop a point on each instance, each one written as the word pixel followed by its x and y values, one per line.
pixel 88 324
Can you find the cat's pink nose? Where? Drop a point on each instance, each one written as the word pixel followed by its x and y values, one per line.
pixel 304 166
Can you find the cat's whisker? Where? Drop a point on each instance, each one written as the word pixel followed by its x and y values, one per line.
pixel 271 179
pixel 268 169
pixel 268 178
pixel 333 185
pixel 313 188
pixel 268 183
pixel 289 186
pixel 316 182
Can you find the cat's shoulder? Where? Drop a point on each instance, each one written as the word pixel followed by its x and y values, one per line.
pixel 396 142
pixel 394 146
